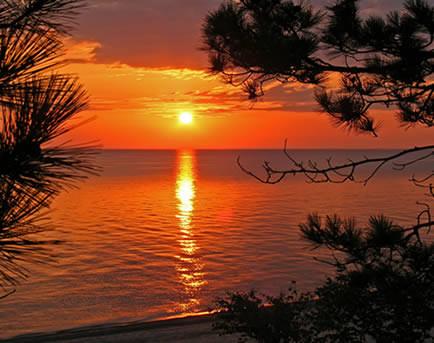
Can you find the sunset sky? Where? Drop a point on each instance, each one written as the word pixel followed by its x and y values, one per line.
pixel 141 64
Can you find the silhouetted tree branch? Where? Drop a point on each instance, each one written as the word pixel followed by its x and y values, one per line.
pixel 386 61
pixel 336 173
pixel 384 274
pixel 37 107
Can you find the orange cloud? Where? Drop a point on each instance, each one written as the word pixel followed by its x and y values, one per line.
pixel 81 51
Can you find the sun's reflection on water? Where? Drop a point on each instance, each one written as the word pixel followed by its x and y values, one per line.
pixel 189 265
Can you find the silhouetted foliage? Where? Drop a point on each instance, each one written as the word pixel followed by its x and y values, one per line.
pixel 380 60
pixel 384 280
pixel 383 283
pixel 251 315
pixel 37 106
pixel 382 290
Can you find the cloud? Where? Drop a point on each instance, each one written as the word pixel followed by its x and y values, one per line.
pixel 151 33
pixel 81 51
pixel 103 4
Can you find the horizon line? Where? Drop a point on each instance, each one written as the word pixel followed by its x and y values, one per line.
pixel 246 149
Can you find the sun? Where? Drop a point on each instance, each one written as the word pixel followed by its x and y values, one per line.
pixel 185 117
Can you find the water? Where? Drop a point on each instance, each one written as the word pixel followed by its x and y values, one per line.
pixel 164 232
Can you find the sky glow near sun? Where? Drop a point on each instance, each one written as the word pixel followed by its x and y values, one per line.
pixel 139 84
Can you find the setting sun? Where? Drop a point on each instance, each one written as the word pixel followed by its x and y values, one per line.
pixel 185 117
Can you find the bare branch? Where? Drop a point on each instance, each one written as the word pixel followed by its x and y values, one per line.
pixel 334 173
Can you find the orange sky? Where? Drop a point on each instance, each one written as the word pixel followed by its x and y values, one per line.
pixel 145 69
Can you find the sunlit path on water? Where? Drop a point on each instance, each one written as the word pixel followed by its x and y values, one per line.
pixel 189 265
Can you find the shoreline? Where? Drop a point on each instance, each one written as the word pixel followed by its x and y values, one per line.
pixel 190 328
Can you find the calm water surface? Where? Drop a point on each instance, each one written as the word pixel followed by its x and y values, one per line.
pixel 164 232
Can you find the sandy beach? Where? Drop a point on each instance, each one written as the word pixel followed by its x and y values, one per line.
pixel 192 329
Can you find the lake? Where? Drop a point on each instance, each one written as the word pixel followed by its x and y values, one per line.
pixel 162 233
